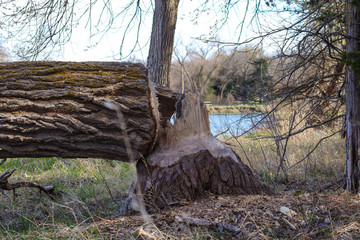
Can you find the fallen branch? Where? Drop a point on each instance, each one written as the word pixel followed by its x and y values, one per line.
pixel 5 185
pixel 207 223
pixel 329 185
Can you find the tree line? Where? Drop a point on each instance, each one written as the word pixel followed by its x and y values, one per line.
pixel 224 77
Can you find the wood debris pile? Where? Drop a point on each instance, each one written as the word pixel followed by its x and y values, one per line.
pixel 312 216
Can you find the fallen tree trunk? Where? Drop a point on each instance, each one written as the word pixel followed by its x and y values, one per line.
pixel 67 110
pixel 58 109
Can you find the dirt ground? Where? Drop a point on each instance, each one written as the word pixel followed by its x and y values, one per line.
pixel 310 216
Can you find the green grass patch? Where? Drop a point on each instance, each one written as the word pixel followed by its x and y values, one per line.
pixel 89 188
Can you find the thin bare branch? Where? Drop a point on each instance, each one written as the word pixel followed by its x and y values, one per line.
pixel 309 153
pixel 281 164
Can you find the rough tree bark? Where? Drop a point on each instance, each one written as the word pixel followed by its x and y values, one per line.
pixel 352 96
pixel 60 109
pixel 162 41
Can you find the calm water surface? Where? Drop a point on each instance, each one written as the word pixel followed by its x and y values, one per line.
pixel 237 123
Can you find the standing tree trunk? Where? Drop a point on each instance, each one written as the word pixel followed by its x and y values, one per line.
pixel 188 160
pixel 162 41
pixel 352 96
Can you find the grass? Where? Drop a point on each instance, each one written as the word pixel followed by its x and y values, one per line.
pixel 262 151
pixel 90 189
pixel 325 164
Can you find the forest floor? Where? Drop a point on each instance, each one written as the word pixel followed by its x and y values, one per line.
pixel 332 215
pixel 314 216
pixel 88 209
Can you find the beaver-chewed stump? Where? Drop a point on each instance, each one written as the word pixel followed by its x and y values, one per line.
pixel 111 110
pixel 188 162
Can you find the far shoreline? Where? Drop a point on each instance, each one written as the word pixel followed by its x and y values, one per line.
pixel 234 109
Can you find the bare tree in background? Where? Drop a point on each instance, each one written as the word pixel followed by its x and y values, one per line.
pixel 196 67
pixel 316 73
pixel 218 75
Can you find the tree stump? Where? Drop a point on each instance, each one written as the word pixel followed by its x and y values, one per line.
pixel 188 162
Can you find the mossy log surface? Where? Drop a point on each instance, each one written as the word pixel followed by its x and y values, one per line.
pixel 58 109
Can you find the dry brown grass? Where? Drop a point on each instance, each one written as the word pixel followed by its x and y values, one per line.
pixel 261 150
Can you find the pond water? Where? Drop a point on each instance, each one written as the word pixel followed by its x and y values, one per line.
pixel 237 123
